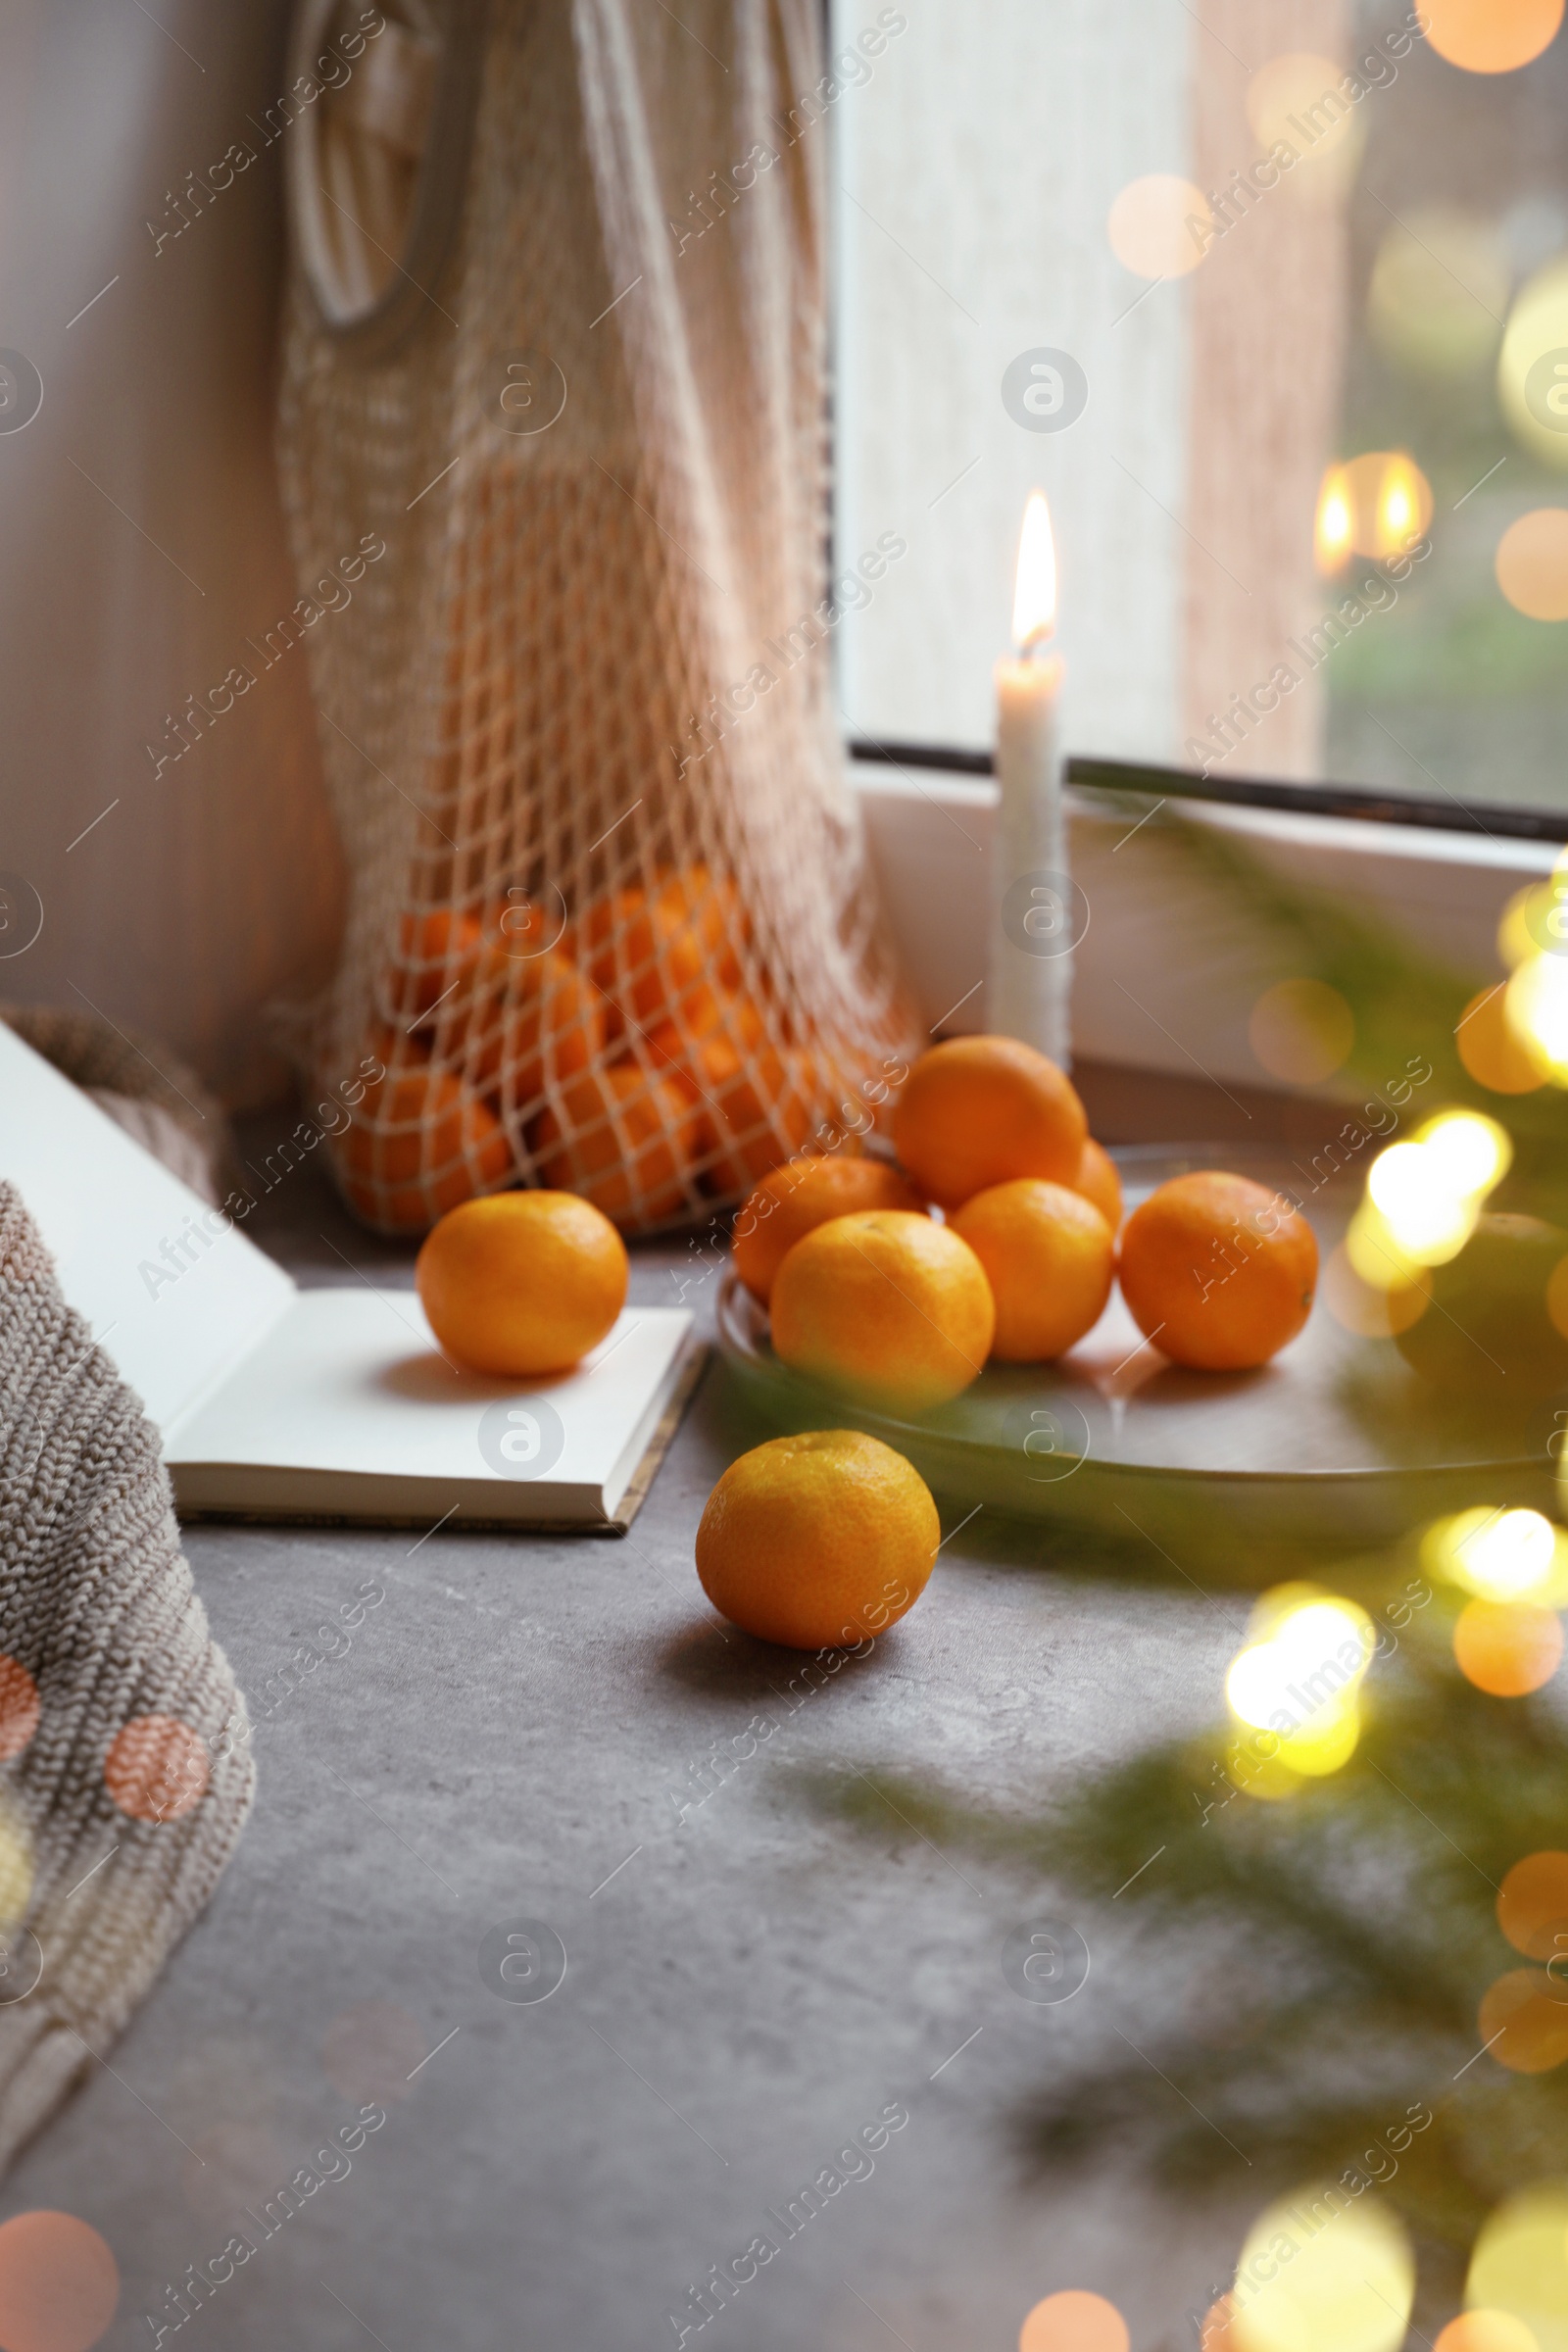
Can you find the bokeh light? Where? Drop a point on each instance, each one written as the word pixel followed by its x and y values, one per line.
pixel 1074 2321
pixel 1486 2331
pixel 1534 921
pixel 1440 291
pixel 1347 2285
pixel 1533 1905
pixel 1532 563
pixel 19 1707
pixel 1402 508
pixel 1299 1679
pixel 1333 525
pixel 156 1768
pixel 1430 1219
pixel 370 2051
pixel 1302 1030
pixel 1490 36
pixel 1523 2022
pixel 1520 2263
pixel 1488 1048
pixel 1533 365
pixel 1471 1153
pixel 1499 1555
pixel 1290 85
pixel 1299 98
pixel 1376 504
pixel 1507 1648
pixel 1371 1312
pixel 1424 1196
pixel 59 2283
pixel 1536 1002
pixel 1160 226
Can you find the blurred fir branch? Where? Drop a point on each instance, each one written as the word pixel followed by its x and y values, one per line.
pixel 1404 1001
pixel 1363 1909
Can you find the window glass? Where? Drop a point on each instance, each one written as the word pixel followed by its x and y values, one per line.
pixel 1271 298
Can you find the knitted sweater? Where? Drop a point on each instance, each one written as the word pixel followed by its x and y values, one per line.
pixel 125 1771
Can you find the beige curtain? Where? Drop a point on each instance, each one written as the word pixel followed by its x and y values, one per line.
pixel 1265 385
pixel 183 890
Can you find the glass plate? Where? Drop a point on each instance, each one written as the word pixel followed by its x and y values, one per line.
pixel 1335 1445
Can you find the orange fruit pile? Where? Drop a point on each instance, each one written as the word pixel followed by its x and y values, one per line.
pixel 871 1299
pixel 639 1059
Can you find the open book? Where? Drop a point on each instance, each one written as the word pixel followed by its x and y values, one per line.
pixel 277 1402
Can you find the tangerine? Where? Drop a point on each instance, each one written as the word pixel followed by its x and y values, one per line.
pixel 817 1541
pixel 651 951
pixel 1049 1257
pixel 979 1111
pixel 1218 1271
pixel 1098 1181
pixel 885 1306
pixel 438 952
pixel 418 1144
pixel 626 1145
pixel 525 1019
pixel 804 1193
pixel 757 1111
pixel 522 1283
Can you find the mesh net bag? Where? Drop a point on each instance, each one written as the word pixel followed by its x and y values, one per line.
pixel 555 483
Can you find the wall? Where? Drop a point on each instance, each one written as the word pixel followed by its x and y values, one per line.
pixel 143 538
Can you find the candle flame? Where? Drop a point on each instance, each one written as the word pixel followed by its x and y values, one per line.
pixel 1034 603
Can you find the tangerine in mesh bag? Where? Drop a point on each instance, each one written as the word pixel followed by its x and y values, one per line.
pixel 608 889
pixel 418 1143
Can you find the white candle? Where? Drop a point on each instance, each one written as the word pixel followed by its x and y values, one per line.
pixel 1032 935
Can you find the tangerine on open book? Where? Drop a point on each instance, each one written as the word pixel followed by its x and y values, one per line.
pixel 981 1110
pixel 804 1193
pixel 522 1283
pixel 1218 1273
pixel 884 1306
pixel 818 1541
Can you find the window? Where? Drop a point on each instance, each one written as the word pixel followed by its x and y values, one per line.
pixel 1271 298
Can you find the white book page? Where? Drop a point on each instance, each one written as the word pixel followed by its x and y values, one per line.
pixel 173 1291
pixel 351 1380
